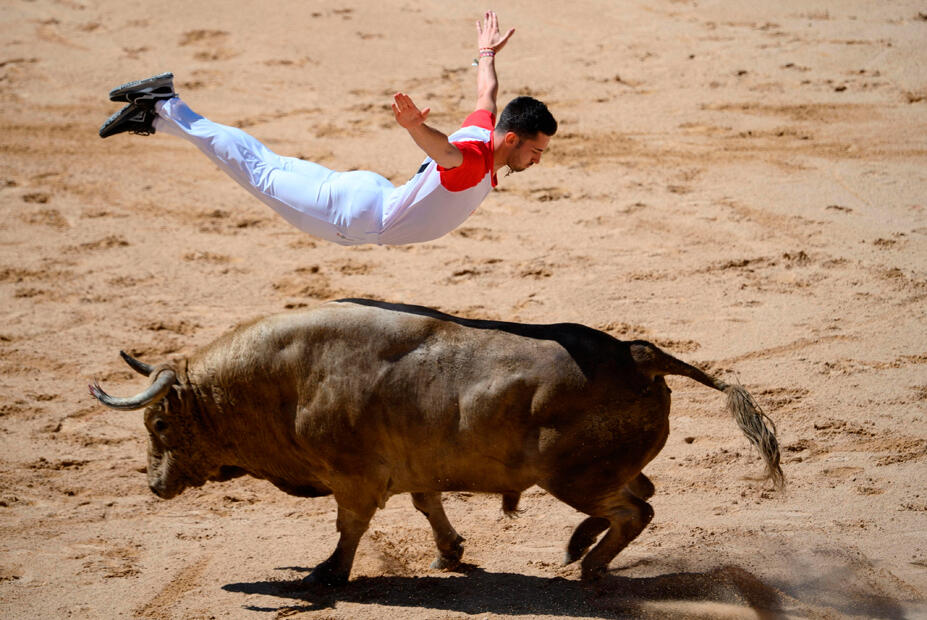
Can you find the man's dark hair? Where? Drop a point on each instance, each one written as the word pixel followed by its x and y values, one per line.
pixel 526 116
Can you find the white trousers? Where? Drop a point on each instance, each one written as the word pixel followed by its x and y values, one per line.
pixel 341 207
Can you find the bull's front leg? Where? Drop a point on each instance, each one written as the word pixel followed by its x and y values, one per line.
pixel 336 569
pixel 448 541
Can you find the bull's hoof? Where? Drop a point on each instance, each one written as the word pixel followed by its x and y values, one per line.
pixel 325 575
pixel 443 562
pixel 451 559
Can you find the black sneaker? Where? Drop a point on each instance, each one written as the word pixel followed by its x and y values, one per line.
pixel 133 118
pixel 145 91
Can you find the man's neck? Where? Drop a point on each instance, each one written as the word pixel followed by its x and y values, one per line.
pixel 499 151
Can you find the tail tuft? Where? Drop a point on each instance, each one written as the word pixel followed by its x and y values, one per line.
pixel 756 425
pixel 759 429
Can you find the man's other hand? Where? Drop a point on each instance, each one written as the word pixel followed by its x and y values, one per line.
pixel 407 113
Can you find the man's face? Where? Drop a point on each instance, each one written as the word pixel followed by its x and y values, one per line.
pixel 527 152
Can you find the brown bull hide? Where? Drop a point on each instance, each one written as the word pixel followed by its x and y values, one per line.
pixel 365 399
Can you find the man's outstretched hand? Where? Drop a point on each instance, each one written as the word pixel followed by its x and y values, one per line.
pixel 488 36
pixel 433 142
pixel 407 113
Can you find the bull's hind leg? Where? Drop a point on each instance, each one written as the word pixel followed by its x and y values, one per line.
pixel 588 531
pixel 448 541
pixel 621 512
pixel 627 521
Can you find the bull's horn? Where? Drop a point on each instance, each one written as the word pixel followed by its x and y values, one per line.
pixel 156 391
pixel 140 367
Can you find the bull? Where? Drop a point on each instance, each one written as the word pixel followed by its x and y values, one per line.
pixel 364 399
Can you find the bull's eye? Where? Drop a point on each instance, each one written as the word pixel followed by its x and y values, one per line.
pixel 160 426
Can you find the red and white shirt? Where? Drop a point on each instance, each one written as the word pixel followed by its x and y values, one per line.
pixel 437 200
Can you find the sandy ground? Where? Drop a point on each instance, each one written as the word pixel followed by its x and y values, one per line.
pixel 742 183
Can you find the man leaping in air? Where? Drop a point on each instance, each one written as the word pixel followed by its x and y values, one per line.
pixel 357 207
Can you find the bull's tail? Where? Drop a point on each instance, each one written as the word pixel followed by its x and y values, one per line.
pixel 753 422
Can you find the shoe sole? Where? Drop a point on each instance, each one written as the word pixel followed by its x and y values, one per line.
pixel 113 122
pixel 163 80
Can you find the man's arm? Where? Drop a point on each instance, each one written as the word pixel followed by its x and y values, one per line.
pixel 433 142
pixel 489 42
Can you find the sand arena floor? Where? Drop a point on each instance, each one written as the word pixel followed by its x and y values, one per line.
pixel 742 184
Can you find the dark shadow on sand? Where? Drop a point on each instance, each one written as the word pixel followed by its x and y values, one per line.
pixel 481 592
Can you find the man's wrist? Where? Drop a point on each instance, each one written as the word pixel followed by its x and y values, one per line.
pixel 485 53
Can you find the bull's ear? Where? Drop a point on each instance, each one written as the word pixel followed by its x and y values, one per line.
pixel 138 366
pixel 163 380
